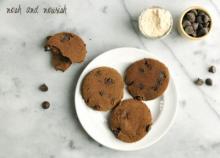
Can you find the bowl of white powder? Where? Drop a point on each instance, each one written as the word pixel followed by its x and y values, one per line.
pixel 155 22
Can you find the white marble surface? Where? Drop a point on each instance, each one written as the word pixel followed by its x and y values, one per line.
pixel 26 130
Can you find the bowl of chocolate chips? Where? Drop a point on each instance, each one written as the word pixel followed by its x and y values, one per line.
pixel 195 23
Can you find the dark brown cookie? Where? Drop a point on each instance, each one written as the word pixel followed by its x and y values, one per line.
pixel 102 88
pixel 147 79
pixel 66 48
pixel 130 120
pixel 60 62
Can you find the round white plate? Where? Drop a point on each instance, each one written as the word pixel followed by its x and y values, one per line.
pixel 96 123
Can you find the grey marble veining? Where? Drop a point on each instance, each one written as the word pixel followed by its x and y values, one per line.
pixel 27 131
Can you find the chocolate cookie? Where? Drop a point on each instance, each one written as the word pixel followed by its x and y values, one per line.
pixel 102 88
pixel 66 48
pixel 147 79
pixel 130 120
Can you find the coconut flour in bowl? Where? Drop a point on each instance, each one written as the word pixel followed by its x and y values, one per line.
pixel 155 22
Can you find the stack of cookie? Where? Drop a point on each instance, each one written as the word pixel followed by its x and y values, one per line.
pixel 130 119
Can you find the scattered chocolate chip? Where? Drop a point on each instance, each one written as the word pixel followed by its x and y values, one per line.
pixel 47 48
pixel 199 82
pixel 108 81
pixel 212 69
pixel 189 30
pixel 186 23
pixel 45 105
pixel 208 82
pixel 116 131
pixel 43 87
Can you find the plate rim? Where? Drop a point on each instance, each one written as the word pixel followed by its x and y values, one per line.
pixel 78 84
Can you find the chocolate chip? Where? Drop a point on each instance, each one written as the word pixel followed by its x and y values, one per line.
pixel 206 18
pixel 54 50
pixel 87 100
pixel 162 75
pixel 101 93
pixel 96 107
pixel 138 97
pixel 199 19
pixel 189 30
pixel 194 11
pixel 43 88
pixel 45 105
pixel 148 128
pixel 195 26
pixel 47 48
pixel 147 64
pixel 48 37
pixel 113 101
pixel 66 37
pixel 186 23
pixel 140 86
pixel 128 82
pixel 199 82
pixel 194 34
pixel 206 24
pixel 109 81
pixel 159 81
pixel 116 131
pixel 191 16
pixel 201 13
pixel 212 69
pixel 200 26
pixel 208 81
pixel 202 32
pixel 98 73
pixel 141 70
pixel 124 115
